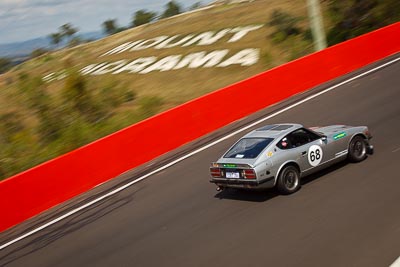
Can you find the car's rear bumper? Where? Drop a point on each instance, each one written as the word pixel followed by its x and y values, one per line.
pixel 243 183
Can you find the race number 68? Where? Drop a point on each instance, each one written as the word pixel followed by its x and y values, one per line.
pixel 314 155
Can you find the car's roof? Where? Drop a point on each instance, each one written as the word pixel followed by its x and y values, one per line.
pixel 274 130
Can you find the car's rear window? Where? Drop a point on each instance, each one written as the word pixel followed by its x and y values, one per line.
pixel 248 148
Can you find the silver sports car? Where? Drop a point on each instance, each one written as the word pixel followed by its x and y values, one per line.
pixel 279 155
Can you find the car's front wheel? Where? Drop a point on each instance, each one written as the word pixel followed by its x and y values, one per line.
pixel 288 180
pixel 357 149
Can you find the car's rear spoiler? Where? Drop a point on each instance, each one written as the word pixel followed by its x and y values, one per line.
pixel 231 165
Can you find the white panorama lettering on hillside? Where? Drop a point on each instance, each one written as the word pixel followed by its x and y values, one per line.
pixel 202 39
pixel 106 68
pixel 245 57
pixel 163 64
pixel 199 59
pixel 137 65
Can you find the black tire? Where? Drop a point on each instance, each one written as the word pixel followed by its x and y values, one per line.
pixel 288 180
pixel 357 149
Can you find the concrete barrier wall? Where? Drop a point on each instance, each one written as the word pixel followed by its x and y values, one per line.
pixel 40 188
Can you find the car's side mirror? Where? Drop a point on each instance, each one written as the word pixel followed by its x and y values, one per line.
pixel 324 138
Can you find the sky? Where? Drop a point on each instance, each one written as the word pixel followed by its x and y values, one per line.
pixel 21 20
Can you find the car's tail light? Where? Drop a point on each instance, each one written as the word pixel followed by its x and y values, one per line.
pixel 368 134
pixel 216 172
pixel 249 174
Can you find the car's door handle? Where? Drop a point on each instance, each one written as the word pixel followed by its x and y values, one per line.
pixel 304 153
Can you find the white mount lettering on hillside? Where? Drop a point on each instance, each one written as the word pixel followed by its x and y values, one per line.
pixel 203 59
pixel 205 38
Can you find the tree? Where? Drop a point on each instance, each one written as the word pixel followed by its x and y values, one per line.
pixel 11 124
pixel 284 23
pixel 77 93
pixel 142 17
pixel 41 103
pixel 356 17
pixel 150 105
pixel 38 52
pixel 56 38
pixel 67 30
pixel 79 96
pixel 5 64
pixel 110 26
pixel 195 6
pixel 172 8
pixel 75 41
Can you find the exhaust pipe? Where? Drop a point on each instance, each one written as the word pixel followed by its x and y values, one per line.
pixel 370 149
pixel 219 188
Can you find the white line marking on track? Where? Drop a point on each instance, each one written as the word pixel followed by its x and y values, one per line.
pixel 115 191
pixel 396 263
pixel 397 149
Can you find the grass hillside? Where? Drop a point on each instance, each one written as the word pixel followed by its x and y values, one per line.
pixel 48 107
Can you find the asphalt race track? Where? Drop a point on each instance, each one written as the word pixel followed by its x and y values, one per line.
pixel 348 215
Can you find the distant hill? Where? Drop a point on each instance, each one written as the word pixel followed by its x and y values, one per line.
pixel 19 49
pixel 23 49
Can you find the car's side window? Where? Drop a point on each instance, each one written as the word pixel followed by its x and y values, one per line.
pixel 297 138
pixel 285 143
pixel 311 135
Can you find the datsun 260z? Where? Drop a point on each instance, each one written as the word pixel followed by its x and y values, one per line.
pixel 280 155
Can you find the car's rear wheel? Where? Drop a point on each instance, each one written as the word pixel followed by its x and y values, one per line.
pixel 288 180
pixel 357 149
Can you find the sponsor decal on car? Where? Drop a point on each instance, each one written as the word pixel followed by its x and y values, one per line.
pixel 339 135
pixel 229 165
